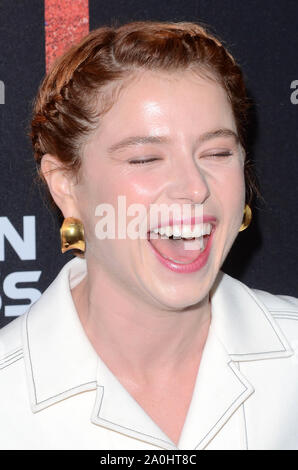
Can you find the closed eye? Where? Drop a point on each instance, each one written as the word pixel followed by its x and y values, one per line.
pixel 221 155
pixel 149 160
pixel 143 161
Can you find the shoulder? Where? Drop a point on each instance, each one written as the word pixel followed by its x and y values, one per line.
pixel 256 312
pixel 280 306
pixel 284 310
pixel 11 345
pixel 56 297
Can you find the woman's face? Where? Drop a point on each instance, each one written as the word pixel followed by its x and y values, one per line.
pixel 175 111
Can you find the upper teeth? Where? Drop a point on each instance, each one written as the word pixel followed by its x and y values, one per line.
pixel 185 231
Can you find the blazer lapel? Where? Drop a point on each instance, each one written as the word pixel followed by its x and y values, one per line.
pixel 243 323
pixel 59 359
pixel 219 390
pixel 241 330
pixel 117 410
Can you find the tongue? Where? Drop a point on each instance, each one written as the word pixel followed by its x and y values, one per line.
pixel 178 250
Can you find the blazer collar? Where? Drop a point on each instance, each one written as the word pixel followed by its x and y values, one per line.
pixel 61 362
pixel 59 359
pixel 243 323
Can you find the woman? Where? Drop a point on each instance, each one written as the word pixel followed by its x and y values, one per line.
pixel 142 342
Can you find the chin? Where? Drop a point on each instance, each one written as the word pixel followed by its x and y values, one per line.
pixel 182 298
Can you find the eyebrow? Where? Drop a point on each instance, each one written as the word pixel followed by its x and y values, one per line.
pixel 150 139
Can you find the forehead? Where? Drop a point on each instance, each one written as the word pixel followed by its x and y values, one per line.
pixel 150 100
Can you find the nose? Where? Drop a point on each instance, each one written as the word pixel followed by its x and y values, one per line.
pixel 188 182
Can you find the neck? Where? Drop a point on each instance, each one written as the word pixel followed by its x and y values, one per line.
pixel 137 339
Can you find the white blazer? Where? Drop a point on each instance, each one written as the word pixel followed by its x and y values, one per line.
pixel 56 393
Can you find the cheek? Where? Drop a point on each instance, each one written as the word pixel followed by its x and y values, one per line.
pixel 234 189
pixel 234 201
pixel 229 184
pixel 142 188
pixel 137 185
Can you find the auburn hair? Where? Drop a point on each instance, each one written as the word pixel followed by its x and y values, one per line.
pixel 77 90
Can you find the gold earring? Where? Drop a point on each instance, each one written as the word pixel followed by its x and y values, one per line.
pixel 247 216
pixel 72 235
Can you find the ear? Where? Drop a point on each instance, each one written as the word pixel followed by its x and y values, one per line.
pixel 60 183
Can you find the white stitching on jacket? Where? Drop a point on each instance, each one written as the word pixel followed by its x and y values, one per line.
pixel 11 362
pixel 120 425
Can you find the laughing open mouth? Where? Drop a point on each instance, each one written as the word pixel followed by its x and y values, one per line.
pixel 182 245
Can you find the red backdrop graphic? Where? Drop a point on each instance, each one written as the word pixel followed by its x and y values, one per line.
pixel 66 22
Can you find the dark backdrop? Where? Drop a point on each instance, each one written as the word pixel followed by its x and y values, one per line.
pixel 261 34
